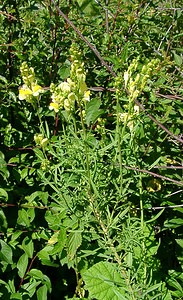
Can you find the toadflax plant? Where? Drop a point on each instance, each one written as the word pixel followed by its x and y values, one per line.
pixel 92 225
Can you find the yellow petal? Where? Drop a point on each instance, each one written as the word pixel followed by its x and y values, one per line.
pixel 24 92
pixel 54 106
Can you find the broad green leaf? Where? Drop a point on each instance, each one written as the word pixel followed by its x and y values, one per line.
pixel 54 238
pixel 89 7
pixel 73 243
pixel 43 196
pixel 3 79
pixel 23 218
pixel 37 274
pixel 61 241
pixel 15 296
pixel 104 282
pixel 22 265
pixel 3 195
pixel 180 242
pixel 174 223
pixel 28 246
pixel 93 111
pixel 6 252
pixel 42 293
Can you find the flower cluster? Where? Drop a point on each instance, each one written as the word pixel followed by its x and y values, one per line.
pixel 135 83
pixel 74 89
pixel 40 140
pixel 30 89
pixel 129 118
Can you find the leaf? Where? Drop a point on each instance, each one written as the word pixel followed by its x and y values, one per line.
pixel 180 242
pixel 15 296
pixel 93 111
pixel 73 242
pixel 62 238
pixel 42 293
pixel 177 58
pixel 3 221
pixel 6 252
pixel 23 218
pixel 43 196
pixel 174 223
pixel 104 282
pixel 2 78
pixel 3 195
pixel 89 7
pixel 22 265
pixel 28 247
pixel 37 274
pixel 156 216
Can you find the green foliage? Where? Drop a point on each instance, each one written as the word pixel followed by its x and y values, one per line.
pixel 91 150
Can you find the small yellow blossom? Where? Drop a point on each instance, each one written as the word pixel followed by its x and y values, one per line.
pixel 87 96
pixel 54 106
pixel 154 185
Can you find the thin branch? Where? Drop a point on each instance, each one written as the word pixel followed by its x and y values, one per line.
pixel 154 175
pixel 168 167
pixel 161 207
pixel 84 39
pixel 158 123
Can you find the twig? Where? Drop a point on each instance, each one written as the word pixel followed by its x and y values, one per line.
pixel 154 175
pixel 160 207
pixel 84 39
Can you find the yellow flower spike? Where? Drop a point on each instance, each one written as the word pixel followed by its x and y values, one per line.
pixel 82 87
pixel 54 106
pixel 65 87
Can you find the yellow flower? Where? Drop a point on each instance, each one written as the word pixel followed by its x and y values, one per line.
pixel 24 92
pixel 36 89
pixel 65 87
pixel 54 106
pixel 87 96
pixel 154 185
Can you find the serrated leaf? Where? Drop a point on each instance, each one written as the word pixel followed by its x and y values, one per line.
pixel 6 252
pixel 22 265
pixel 73 242
pixel 54 238
pixel 61 241
pixel 104 282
